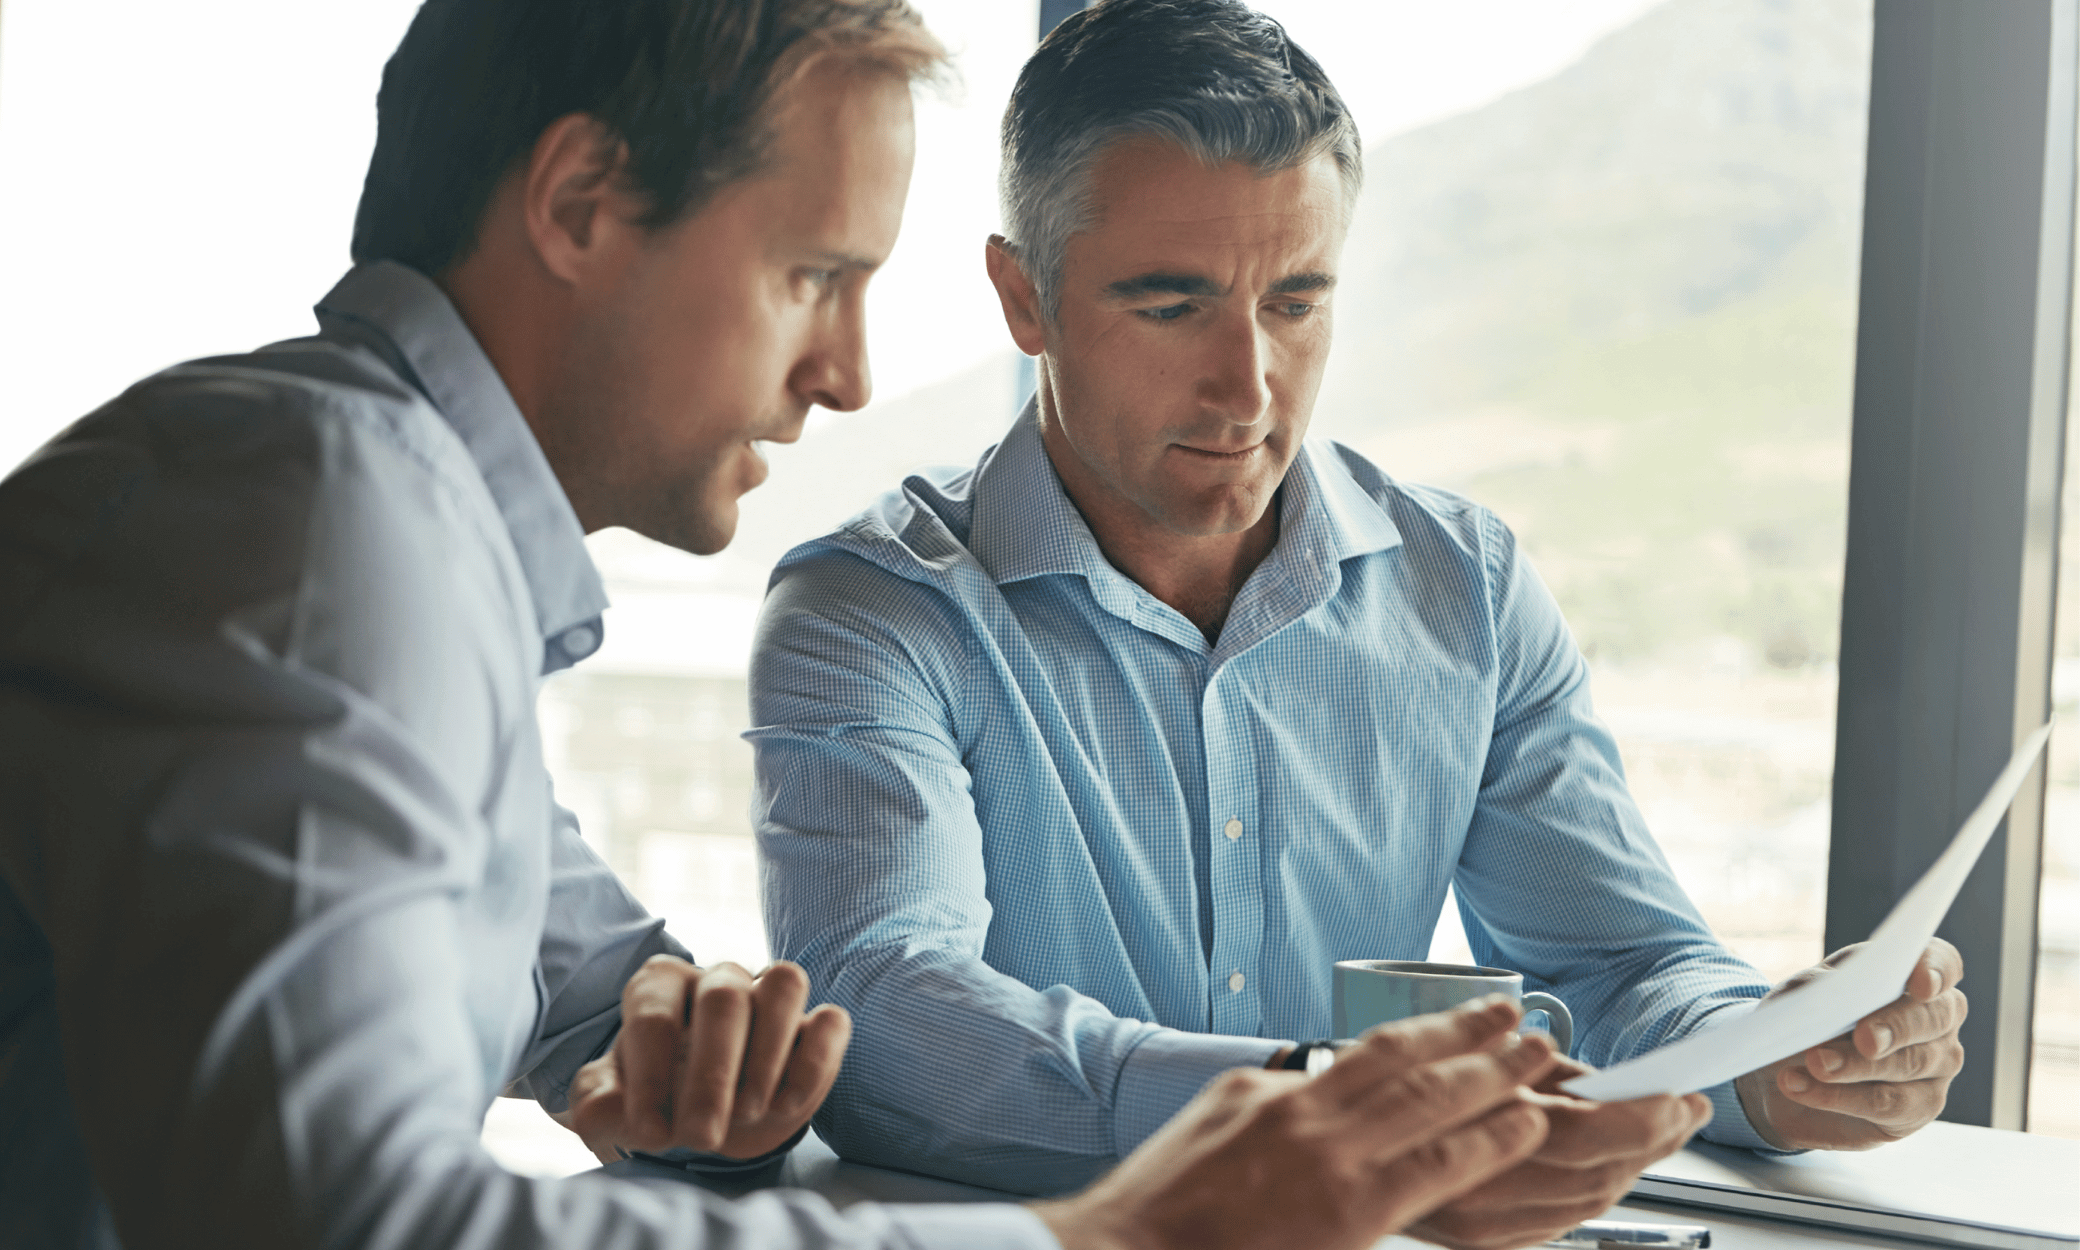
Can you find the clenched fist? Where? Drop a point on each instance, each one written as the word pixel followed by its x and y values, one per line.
pixel 709 1059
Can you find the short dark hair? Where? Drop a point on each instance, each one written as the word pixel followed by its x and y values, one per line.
pixel 1216 77
pixel 683 85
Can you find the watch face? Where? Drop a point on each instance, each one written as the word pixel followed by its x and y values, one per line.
pixel 1320 1059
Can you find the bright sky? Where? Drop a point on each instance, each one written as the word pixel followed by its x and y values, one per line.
pixel 182 177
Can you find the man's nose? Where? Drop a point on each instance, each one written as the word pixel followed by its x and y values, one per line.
pixel 833 373
pixel 1234 380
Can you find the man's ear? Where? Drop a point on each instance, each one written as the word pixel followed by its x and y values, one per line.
pixel 1017 294
pixel 572 197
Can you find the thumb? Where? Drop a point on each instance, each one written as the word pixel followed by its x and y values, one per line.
pixel 596 1109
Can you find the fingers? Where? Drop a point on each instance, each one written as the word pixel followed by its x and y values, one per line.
pixel 1941 1057
pixel 1897 1107
pixel 714 1060
pixel 717 1032
pixel 1565 1069
pixel 1941 967
pixel 776 1008
pixel 1907 1040
pixel 1592 1155
pixel 1912 1038
pixel 818 1053
pixel 1427 1099
pixel 653 1015
pixel 596 1108
pixel 1394 1048
pixel 1588 1135
pixel 1448 1165
pixel 1908 1022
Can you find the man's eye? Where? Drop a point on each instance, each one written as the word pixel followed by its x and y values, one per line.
pixel 1297 311
pixel 1169 312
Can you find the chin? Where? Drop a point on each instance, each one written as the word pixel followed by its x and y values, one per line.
pixel 700 515
pixel 711 533
pixel 701 530
pixel 1209 518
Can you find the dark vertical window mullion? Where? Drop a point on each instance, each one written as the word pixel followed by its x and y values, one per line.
pixel 1947 602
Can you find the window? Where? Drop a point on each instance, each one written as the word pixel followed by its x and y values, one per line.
pixel 185 189
pixel 1617 305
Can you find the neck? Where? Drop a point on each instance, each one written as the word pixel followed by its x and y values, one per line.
pixel 1199 575
pixel 521 320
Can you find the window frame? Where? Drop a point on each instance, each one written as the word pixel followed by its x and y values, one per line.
pixel 1956 459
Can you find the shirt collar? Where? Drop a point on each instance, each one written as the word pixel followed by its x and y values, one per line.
pixel 1026 526
pixel 400 314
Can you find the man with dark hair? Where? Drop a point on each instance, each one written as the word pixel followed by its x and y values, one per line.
pixel 284 897
pixel 1079 769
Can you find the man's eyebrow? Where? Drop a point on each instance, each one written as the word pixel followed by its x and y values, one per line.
pixel 1161 284
pixel 1294 284
pixel 844 260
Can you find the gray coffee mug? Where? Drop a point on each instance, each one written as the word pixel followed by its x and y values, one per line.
pixel 1374 991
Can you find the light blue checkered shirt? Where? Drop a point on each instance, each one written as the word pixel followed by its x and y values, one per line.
pixel 1064 861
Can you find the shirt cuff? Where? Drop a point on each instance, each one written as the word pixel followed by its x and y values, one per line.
pixel 1730 1126
pixel 1167 1069
pixel 723 1165
pixel 968 1226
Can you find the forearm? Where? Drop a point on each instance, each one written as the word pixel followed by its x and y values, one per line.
pixel 596 936
pixel 960 1071
pixel 345 1116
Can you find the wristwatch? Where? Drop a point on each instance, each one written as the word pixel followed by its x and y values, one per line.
pixel 1313 1058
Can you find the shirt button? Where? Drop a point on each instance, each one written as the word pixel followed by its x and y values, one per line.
pixel 1234 829
pixel 579 641
pixel 1234 983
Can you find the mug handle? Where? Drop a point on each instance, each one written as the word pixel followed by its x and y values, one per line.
pixel 1559 1021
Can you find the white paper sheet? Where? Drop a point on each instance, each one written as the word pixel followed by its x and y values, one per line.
pixel 1830 1004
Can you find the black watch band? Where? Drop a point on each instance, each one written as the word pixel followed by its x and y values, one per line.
pixel 1312 1057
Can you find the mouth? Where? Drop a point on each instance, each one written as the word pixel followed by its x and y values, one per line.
pixel 1216 456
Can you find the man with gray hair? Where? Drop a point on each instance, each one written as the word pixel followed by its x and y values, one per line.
pixel 1079 770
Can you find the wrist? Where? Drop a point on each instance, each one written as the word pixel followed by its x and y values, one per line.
pixel 1313 1058
pixel 1755 1091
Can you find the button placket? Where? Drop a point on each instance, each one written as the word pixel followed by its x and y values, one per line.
pixel 1238 904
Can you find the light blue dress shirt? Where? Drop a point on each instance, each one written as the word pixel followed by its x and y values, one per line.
pixel 285 899
pixel 1064 860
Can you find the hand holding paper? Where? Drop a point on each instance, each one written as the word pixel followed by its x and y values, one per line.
pixel 1866 979
pixel 1887 1078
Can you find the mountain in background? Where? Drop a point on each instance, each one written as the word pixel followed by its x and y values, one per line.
pixel 1617 306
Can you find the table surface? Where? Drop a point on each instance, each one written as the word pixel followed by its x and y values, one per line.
pixel 814 1166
